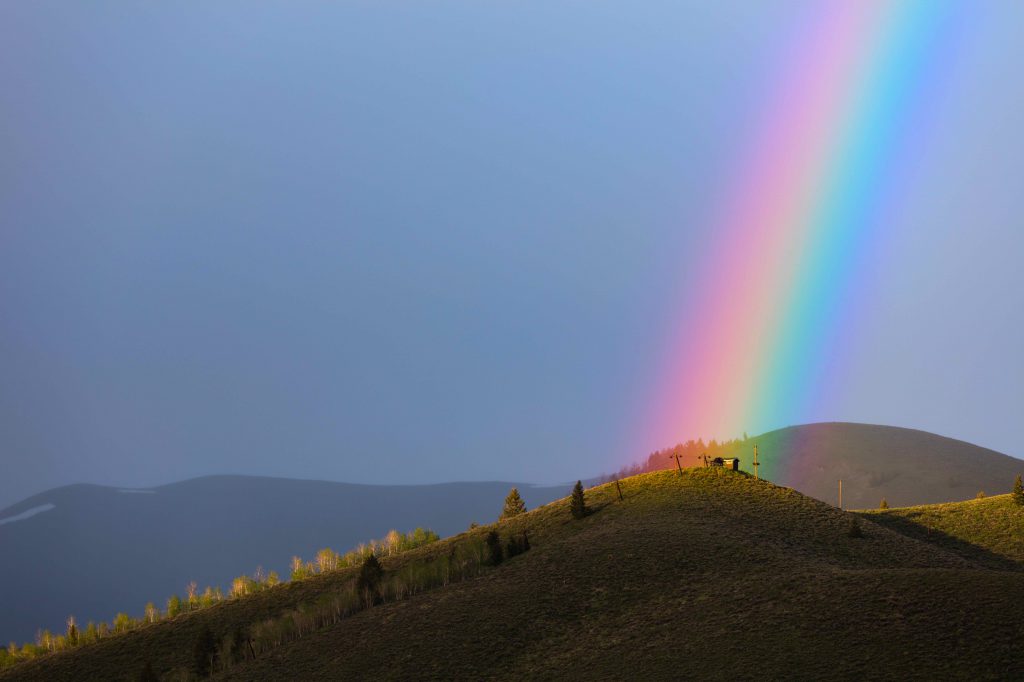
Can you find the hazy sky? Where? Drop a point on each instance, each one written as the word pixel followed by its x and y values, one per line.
pixel 414 242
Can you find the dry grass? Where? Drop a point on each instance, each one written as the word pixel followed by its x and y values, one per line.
pixel 710 575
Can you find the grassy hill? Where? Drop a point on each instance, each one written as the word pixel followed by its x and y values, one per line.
pixel 207 529
pixel 989 530
pixel 905 466
pixel 708 575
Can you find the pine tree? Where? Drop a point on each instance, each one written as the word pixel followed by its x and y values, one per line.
pixel 368 582
pixel 514 505
pixel 884 504
pixel 577 503
pixel 512 547
pixel 1018 491
pixel 203 652
pixel 495 555
pixel 239 642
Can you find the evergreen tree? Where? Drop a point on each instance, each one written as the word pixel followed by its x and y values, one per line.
pixel 1018 491
pixel 495 555
pixel 577 503
pixel 368 582
pixel 203 652
pixel 512 547
pixel 514 505
pixel 239 645
pixel 883 504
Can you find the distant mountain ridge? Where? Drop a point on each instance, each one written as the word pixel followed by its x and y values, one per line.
pixel 91 551
pixel 706 575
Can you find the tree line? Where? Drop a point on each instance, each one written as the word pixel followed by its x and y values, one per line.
pixel 75 635
pixel 372 585
pixel 692 452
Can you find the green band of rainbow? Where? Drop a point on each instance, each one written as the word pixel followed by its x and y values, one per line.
pixel 762 342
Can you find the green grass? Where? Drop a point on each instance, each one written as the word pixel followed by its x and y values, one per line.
pixel 990 530
pixel 709 575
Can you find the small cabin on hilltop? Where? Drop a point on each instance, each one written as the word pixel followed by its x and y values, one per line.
pixel 731 463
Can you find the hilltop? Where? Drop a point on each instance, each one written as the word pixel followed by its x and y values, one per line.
pixel 710 574
pixel 905 466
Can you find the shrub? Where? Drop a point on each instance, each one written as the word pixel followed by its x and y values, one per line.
pixel 122 622
pixel 578 503
pixel 854 530
pixel 514 505
pixel 204 651
pixel 883 504
pixel 494 553
pixel 1018 491
pixel 173 606
pixel 980 495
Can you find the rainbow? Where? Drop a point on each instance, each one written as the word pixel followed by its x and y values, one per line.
pixel 767 323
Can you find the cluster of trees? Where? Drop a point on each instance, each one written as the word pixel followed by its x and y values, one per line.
pixel 327 559
pixel 48 642
pixel 371 586
pixel 691 452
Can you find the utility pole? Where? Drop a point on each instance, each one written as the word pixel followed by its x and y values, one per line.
pixel 840 493
pixel 676 456
pixel 756 477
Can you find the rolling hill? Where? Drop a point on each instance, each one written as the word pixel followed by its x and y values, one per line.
pixel 709 575
pixel 128 547
pixel 905 466
pixel 93 551
pixel 989 529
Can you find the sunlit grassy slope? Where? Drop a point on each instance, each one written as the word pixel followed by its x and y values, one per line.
pixel 990 529
pixel 710 575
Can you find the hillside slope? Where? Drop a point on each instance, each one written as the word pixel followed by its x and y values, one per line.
pixel 905 466
pixel 989 530
pixel 709 575
pixel 128 547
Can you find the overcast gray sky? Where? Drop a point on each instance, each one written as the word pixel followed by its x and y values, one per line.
pixel 417 242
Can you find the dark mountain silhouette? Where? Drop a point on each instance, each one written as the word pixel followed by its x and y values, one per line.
pixel 92 551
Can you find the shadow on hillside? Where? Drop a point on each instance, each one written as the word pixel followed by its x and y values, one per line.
pixel 979 555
